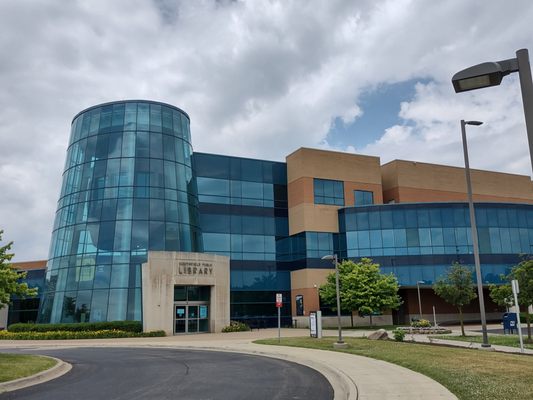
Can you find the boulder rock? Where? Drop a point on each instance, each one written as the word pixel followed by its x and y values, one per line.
pixel 380 334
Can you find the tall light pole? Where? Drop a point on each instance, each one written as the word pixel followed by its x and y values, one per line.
pixel 317 295
pixel 475 243
pixel 491 74
pixel 419 301
pixel 340 342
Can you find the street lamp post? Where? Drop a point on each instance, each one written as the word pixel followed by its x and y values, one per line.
pixel 340 342
pixel 419 301
pixel 491 74
pixel 475 243
pixel 317 295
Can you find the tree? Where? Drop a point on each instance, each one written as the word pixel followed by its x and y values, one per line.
pixel 10 278
pixel 503 294
pixel 362 288
pixel 456 288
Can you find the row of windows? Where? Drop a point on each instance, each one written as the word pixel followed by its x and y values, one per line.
pixel 239 169
pixel 92 306
pixel 407 251
pixel 125 209
pixel 131 116
pixel 253 311
pixel 128 192
pixel 258 280
pixel 100 258
pixel 363 197
pixel 411 237
pixel 129 144
pixel 308 245
pixel 140 172
pixel 225 242
pixel 239 201
pixel 120 236
pixel 95 277
pixel 241 189
pixel 388 217
pixel 248 224
pixel 409 275
pixel 327 191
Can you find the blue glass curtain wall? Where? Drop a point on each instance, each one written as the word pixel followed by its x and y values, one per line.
pixel 425 233
pixel 128 187
pixel 243 205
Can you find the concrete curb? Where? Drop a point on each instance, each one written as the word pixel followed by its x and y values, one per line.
pixel 60 369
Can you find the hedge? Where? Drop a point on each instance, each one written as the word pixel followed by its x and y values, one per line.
pixel 125 326
pixel 59 335
pixel 236 326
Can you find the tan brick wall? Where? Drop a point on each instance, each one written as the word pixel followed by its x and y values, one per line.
pixel 356 171
pixel 333 165
pixel 408 181
pixel 303 283
pixel 30 265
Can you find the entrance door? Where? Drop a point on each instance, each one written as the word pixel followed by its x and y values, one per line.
pixel 189 318
pixel 192 319
pixel 180 325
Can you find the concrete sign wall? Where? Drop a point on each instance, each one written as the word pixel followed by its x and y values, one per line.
pixel 166 269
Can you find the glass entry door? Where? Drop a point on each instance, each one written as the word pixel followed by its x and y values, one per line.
pixel 191 309
pixel 191 318
pixel 180 319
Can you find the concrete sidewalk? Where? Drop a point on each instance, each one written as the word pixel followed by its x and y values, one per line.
pixel 351 376
pixel 470 330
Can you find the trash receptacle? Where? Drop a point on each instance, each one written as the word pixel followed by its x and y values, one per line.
pixel 509 321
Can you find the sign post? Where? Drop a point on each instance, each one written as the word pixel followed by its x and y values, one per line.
pixel 279 304
pixel 516 290
pixel 315 324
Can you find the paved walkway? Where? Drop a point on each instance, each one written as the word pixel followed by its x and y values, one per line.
pixel 351 376
pixel 470 330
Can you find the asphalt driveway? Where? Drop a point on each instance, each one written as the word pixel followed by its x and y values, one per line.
pixel 144 373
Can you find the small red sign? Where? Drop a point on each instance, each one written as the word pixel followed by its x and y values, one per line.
pixel 279 300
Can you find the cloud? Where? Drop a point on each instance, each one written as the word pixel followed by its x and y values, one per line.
pixel 258 78
pixel 431 129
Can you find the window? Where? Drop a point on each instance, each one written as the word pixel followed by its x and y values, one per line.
pixel 329 192
pixel 363 197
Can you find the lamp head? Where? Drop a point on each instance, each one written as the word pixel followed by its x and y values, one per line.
pixel 476 123
pixel 477 77
pixel 328 257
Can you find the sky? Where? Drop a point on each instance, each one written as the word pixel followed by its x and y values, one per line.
pixel 259 79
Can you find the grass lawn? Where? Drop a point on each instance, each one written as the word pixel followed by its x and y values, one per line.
pixel 469 374
pixel 14 366
pixel 502 340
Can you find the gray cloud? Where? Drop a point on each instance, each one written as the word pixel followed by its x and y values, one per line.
pixel 258 78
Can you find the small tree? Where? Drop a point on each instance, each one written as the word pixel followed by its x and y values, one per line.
pixel 10 278
pixel 362 288
pixel 523 273
pixel 502 294
pixel 456 288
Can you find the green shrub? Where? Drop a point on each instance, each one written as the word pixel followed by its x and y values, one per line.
pixel 399 335
pixel 126 326
pixel 65 335
pixel 236 326
pixel 423 323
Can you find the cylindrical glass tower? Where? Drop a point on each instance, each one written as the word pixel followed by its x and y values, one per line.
pixel 128 187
